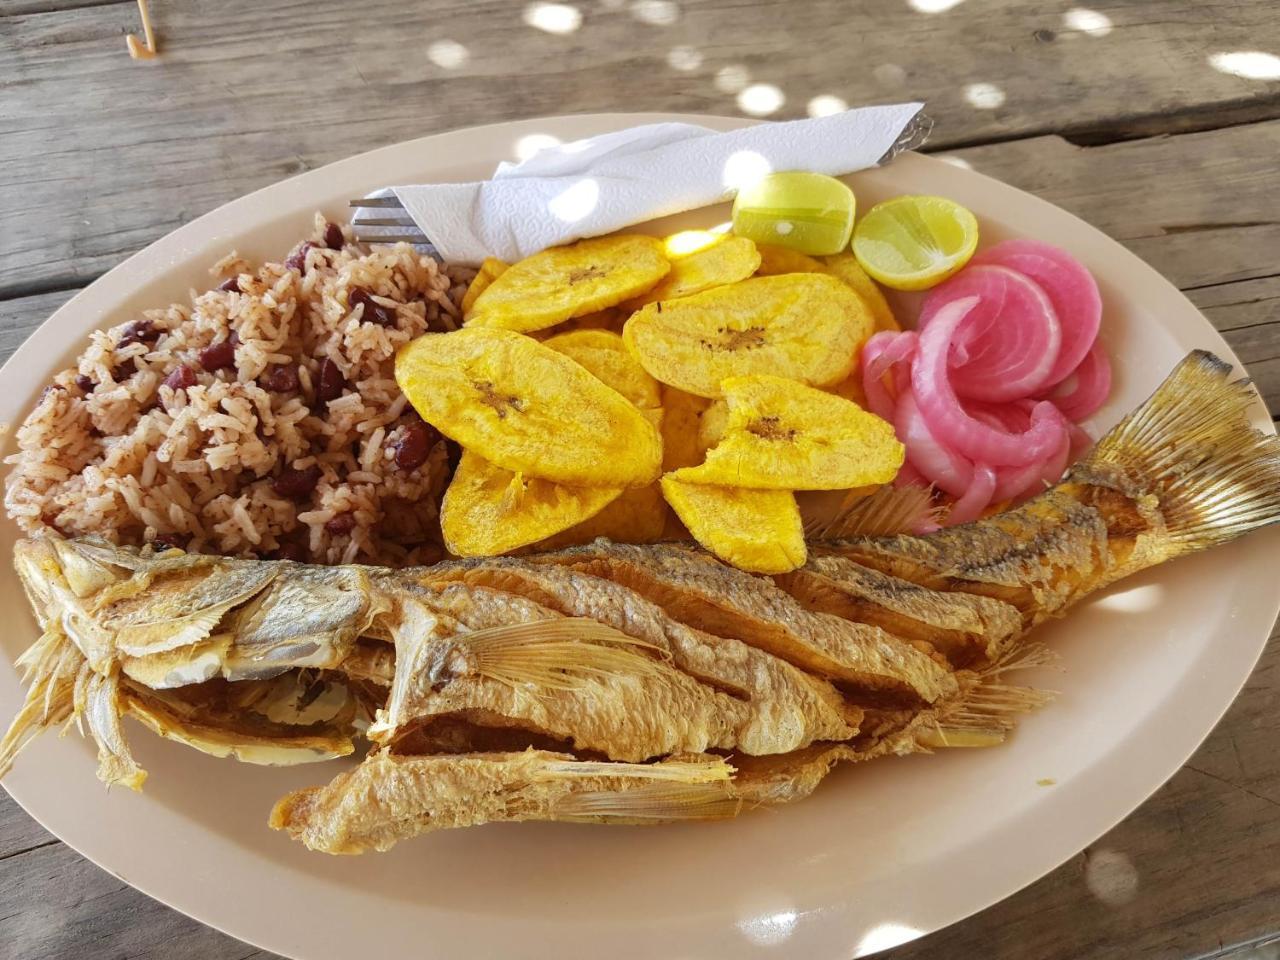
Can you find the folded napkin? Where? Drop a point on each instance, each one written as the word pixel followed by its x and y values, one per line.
pixel 601 184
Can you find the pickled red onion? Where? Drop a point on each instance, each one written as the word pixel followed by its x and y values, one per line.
pixel 1070 288
pixel 933 459
pixel 1092 385
pixel 1008 344
pixel 976 499
pixel 950 423
pixel 880 355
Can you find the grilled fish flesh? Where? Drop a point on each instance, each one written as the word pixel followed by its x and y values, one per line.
pixel 623 683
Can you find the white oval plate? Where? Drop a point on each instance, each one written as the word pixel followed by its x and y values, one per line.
pixel 883 852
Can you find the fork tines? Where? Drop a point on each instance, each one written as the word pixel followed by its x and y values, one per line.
pixel 379 229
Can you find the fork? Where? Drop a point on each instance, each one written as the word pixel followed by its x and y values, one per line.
pixel 408 232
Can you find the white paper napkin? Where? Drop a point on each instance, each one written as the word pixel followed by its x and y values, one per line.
pixel 601 184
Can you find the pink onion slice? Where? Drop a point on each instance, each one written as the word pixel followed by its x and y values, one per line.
pixel 934 460
pixel 976 499
pixel 881 354
pixel 1070 288
pixel 1092 385
pixel 951 424
pixel 1008 345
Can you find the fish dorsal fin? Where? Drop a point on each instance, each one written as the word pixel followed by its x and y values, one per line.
pixel 887 512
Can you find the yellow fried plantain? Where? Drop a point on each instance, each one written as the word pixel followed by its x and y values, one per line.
pixel 490 270
pixel 726 259
pixel 782 435
pixel 755 530
pixel 845 267
pixel 570 281
pixel 488 510
pixel 681 415
pixel 604 354
pixel 806 326
pixel 528 408
pixel 712 425
pixel 638 516
pixel 778 260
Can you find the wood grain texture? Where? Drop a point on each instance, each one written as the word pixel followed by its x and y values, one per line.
pixel 100 154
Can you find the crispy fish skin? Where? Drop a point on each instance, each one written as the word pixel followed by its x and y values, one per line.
pixel 965 627
pixel 696 589
pixel 786 707
pixel 601 697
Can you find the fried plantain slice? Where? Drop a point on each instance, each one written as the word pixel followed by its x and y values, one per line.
pixel 723 259
pixel 570 281
pixel 779 260
pixel 681 413
pixel 489 511
pixel 755 530
pixel 528 408
pixel 604 354
pixel 845 266
pixel 783 435
pixel 490 270
pixel 804 326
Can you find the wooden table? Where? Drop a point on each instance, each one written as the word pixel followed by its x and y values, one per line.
pixel 1133 115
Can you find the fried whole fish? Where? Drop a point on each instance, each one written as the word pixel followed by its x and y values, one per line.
pixel 621 683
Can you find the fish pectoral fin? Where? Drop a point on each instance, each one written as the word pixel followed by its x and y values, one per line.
pixel 650 803
pixel 100 703
pixel 562 653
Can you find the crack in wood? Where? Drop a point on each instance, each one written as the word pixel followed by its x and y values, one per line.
pixel 36 846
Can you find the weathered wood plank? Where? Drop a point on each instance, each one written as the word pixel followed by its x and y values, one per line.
pixel 18 318
pixel 1196 206
pixel 1189 872
pixel 1248 315
pixel 54 905
pixel 100 154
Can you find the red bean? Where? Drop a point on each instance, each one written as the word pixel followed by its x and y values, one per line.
pixel 125 370
pixel 374 312
pixel 331 382
pixel 341 524
pixel 415 443
pixel 230 286
pixel 219 356
pixel 333 238
pixel 281 379
pixel 296 484
pixel 298 260
pixel 85 384
pixel 180 378
pixel 140 331
pixel 169 541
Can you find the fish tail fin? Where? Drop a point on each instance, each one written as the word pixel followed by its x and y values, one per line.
pixel 989 706
pixel 1191 445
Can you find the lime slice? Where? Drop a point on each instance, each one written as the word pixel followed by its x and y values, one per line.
pixel 913 243
pixel 809 212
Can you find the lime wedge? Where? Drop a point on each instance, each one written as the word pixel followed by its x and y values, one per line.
pixel 809 212
pixel 913 243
